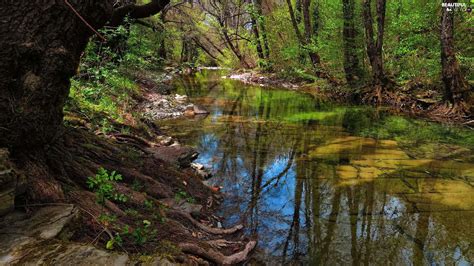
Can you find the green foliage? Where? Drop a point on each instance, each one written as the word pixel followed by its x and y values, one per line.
pixel 367 123
pixel 148 204
pixel 180 195
pixel 117 239
pixel 142 233
pixel 107 219
pixel 103 184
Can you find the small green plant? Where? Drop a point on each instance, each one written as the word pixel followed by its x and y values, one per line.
pixel 107 219
pixel 141 234
pixel 131 212
pixel 148 204
pixel 137 185
pixel 183 195
pixel 103 186
pixel 117 239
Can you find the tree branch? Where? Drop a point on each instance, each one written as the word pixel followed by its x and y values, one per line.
pixel 137 11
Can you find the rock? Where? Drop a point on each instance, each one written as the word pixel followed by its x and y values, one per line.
pixel 34 240
pixel 201 170
pixel 182 205
pixel 197 166
pixel 181 99
pixel 181 156
pixel 198 110
pixel 164 88
pixel 11 183
pixel 167 141
pixel 189 110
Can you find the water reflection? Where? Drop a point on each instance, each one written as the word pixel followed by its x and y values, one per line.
pixel 314 193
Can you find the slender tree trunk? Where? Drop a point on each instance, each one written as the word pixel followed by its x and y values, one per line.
pixel 308 29
pixel 456 90
pixel 294 23
pixel 265 39
pixel 375 43
pixel 254 17
pixel 349 34
pixel 260 22
pixel 304 40
pixel 298 8
pixel 316 18
pixel 233 47
pixel 162 49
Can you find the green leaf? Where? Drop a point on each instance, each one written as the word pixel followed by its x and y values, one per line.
pixel 146 223
pixel 110 244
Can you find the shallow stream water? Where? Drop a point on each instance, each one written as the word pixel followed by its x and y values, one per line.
pixel 321 184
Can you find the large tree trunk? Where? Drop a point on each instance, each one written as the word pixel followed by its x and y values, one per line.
pixel 456 90
pixel 374 46
pixel 40 48
pixel 349 34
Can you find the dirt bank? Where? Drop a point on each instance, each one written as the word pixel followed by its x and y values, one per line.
pixel 158 208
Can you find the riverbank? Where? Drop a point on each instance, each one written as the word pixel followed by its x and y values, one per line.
pixel 122 191
pixel 415 99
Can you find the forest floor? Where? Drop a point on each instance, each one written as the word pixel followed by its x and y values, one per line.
pixel 159 207
pixel 414 98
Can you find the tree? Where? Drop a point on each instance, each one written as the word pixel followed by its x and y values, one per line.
pixel 349 34
pixel 41 46
pixel 375 43
pixel 258 28
pixel 305 39
pixel 227 15
pixel 456 89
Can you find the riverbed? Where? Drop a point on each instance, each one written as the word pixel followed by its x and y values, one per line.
pixel 325 184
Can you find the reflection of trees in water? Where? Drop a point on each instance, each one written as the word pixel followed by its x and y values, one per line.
pixel 327 222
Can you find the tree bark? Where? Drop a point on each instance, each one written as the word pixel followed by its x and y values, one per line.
pixel 304 40
pixel 135 11
pixel 349 34
pixel 254 17
pixel 456 90
pixel 40 50
pixel 258 28
pixel 374 45
pixel 308 29
pixel 262 28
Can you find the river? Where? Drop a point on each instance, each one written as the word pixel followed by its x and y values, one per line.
pixel 325 184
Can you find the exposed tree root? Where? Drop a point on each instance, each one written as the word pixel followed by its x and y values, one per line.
pixel 58 175
pixel 205 228
pixel 450 112
pixel 216 256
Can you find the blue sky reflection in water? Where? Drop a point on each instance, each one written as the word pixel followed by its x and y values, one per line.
pixel 322 184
